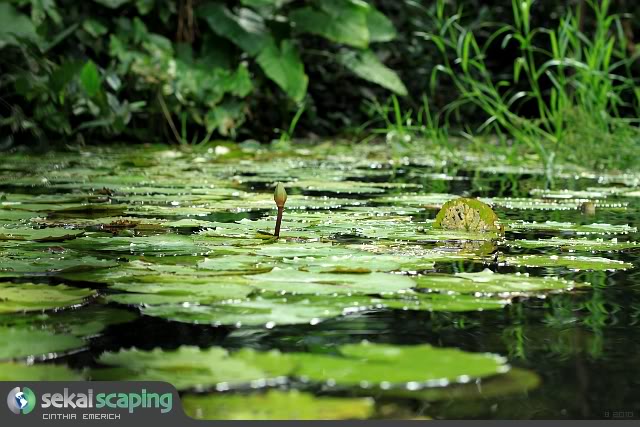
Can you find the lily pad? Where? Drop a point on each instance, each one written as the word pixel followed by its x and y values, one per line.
pixel 85 322
pixel 566 261
pixel 276 405
pixel 263 312
pixel 10 371
pixel 18 297
pixel 576 244
pixel 39 235
pixel 305 282
pixel 488 282
pixel 595 228
pixel 362 365
pixel 24 342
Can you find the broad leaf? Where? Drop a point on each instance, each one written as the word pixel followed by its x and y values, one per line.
pixel 283 65
pixel 366 65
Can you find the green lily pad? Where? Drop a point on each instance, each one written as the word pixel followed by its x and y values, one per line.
pixel 515 382
pixel 22 342
pixel 166 289
pixel 184 368
pixel 18 297
pixel 305 282
pixel 596 228
pixel 575 244
pixel 85 322
pixel 263 312
pixel 362 365
pixel 386 366
pixel 10 371
pixel 275 405
pixel 440 302
pixel 488 282
pixel 38 263
pixel 467 215
pixel 39 235
pixel 566 261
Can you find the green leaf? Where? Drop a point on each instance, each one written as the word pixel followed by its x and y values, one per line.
pixel 17 297
pixel 39 235
pixel 283 66
pixel 591 245
pixel 15 26
pixel 263 312
pixel 303 282
pixel 341 21
pixel 367 365
pixel 90 79
pixel 366 65
pixel 112 4
pixel 567 261
pixel 10 371
pixel 380 27
pixel 275 405
pixel 24 342
pixel 186 367
pixel 246 30
pixel 418 365
pixel 488 282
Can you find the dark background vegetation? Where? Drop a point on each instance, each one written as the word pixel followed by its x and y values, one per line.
pixel 189 71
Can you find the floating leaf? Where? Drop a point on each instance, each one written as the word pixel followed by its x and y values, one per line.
pixel 23 342
pixel 365 365
pixel 263 312
pixel 575 244
pixel 39 235
pixel 17 297
pixel 488 282
pixel 10 371
pixel 571 262
pixel 275 405
pixel 304 282
pixel 596 228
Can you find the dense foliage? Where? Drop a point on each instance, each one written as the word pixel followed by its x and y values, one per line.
pixel 183 70
pixel 549 79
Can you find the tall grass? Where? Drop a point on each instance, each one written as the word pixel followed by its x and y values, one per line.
pixel 587 79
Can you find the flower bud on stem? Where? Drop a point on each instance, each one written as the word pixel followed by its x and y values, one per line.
pixel 280 197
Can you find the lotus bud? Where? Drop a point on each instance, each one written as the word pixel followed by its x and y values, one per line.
pixel 280 195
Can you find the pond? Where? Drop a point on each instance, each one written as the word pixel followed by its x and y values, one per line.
pixel 142 262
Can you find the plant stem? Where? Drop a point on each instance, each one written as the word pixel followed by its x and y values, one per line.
pixel 278 221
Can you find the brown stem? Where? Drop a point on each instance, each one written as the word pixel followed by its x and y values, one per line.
pixel 279 221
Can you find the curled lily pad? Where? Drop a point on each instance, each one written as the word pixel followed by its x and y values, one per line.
pixel 18 297
pixel 566 261
pixel 488 282
pixel 467 215
pixel 275 405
